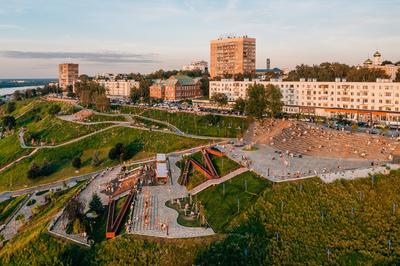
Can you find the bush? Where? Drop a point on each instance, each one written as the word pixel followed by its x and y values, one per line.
pixel 96 205
pixel 78 227
pixel 54 109
pixel 119 151
pixel 31 202
pixel 37 170
pixel 20 217
pixel 76 162
pixel 10 107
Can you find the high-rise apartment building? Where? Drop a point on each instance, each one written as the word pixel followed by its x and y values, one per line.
pixel 68 74
pixel 232 55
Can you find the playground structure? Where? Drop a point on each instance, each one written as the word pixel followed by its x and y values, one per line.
pixel 209 172
pixel 127 184
pixel 113 224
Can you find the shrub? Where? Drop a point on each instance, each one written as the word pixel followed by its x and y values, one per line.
pixel 31 202
pixel 76 162
pixel 54 109
pixel 96 205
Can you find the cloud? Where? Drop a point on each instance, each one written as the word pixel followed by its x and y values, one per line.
pixel 10 27
pixel 95 57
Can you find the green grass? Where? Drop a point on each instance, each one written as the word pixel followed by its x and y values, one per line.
pixel 223 165
pixel 184 220
pixel 222 209
pixel 9 206
pixel 222 126
pixel 354 219
pixel 47 128
pixel 143 144
pixel 10 149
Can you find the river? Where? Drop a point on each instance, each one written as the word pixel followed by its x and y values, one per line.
pixel 7 91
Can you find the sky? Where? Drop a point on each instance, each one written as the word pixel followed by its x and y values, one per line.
pixel 116 36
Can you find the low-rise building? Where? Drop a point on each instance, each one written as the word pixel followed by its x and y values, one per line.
pixel 366 101
pixel 119 88
pixel 177 87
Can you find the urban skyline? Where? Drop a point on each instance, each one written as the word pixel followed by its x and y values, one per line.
pixel 36 36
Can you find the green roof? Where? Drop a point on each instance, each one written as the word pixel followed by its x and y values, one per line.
pixel 184 80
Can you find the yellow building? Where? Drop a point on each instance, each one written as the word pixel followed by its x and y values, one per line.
pixel 68 74
pixel 232 55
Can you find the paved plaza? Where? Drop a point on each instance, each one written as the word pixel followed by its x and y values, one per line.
pixel 266 161
pixel 159 213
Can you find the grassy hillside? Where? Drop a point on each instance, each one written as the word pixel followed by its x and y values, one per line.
pixel 221 205
pixel 354 220
pixel 10 149
pixel 210 125
pixel 44 127
pixel 141 143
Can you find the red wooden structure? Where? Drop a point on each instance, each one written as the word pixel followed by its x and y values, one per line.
pixel 113 224
pixel 209 172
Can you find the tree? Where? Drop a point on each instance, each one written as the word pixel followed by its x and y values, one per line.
pixel 54 109
pixel 78 227
pixel 17 95
pixel 34 170
pixel 240 105
pixel 10 107
pixel 397 79
pixel 74 209
pixel 219 98
pixel 366 75
pixel 9 122
pixel 96 205
pixel 76 162
pixel 387 62
pixel 205 85
pixel 102 102
pixel 96 159
pixel 274 100
pixel 257 101
pixel 135 95
pixel 118 152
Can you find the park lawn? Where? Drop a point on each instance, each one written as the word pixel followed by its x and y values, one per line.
pixel 205 125
pixel 10 149
pixel 48 128
pixel 221 210
pixel 141 143
pixel 24 106
pixel 53 131
pixel 9 206
pixel 223 165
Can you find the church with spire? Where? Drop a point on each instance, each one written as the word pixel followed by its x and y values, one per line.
pixel 387 66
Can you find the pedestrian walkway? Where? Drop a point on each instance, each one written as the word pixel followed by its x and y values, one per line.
pixel 213 182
